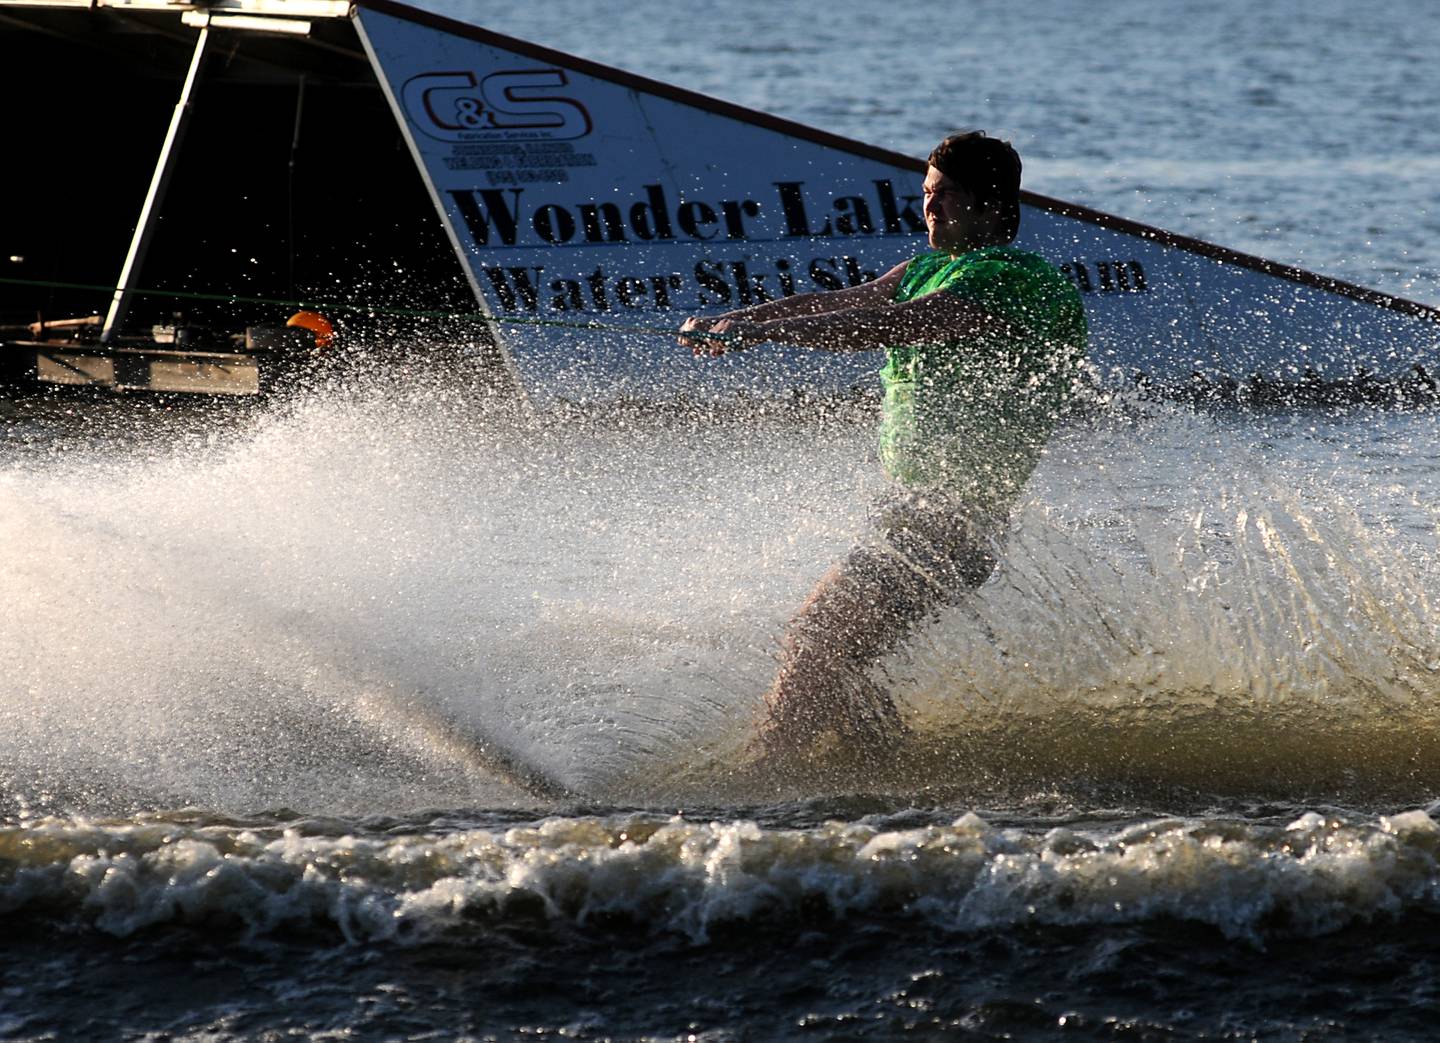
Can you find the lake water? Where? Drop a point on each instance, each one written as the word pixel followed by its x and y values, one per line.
pixel 1176 771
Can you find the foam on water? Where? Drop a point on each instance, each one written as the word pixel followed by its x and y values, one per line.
pixel 672 876
pixel 320 608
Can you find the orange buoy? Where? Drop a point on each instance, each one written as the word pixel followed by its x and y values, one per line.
pixel 318 324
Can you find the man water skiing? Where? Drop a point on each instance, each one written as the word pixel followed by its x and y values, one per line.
pixel 983 342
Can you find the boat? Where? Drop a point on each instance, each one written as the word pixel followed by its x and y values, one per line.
pixel 423 180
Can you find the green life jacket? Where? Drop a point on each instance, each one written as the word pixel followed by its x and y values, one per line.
pixel 970 416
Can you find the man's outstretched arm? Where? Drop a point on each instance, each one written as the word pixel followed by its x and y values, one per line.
pixel 876 293
pixel 935 317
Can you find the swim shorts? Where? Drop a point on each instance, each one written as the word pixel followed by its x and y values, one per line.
pixel 949 547
pixel 921 552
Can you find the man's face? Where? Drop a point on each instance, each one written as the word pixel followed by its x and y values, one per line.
pixel 950 212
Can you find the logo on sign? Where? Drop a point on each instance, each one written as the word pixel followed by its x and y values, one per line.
pixel 458 106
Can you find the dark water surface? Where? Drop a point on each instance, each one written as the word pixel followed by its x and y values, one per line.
pixel 1176 765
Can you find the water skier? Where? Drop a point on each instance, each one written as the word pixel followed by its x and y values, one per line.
pixel 983 345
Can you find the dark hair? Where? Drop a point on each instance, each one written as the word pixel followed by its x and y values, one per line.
pixel 987 168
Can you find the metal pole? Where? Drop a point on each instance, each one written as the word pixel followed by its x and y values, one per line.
pixel 290 184
pixel 145 227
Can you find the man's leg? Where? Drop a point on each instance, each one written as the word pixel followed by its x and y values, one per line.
pixel 863 608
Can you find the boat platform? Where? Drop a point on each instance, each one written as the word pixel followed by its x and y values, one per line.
pixel 68 355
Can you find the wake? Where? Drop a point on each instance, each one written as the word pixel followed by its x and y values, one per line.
pixel 380 600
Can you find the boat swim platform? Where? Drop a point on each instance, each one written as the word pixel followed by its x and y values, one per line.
pixel 400 168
